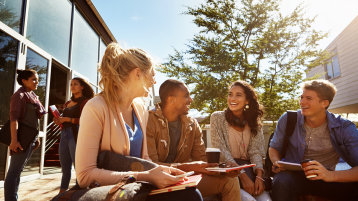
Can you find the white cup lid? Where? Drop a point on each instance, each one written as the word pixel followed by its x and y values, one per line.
pixel 211 149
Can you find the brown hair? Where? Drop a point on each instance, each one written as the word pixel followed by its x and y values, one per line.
pixel 87 91
pixel 168 88
pixel 253 114
pixel 324 89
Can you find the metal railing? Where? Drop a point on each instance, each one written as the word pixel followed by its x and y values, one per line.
pixel 52 134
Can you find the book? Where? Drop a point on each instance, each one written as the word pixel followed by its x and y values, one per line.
pixel 219 169
pixel 191 182
pixel 290 166
pixel 55 112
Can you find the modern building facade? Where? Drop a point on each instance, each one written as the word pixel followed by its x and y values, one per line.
pixel 60 39
pixel 341 69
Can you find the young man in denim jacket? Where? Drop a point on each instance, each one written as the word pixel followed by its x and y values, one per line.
pixel 322 137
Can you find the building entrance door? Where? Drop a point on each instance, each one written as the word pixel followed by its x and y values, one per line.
pixel 58 96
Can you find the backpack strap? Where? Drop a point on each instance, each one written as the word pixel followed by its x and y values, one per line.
pixel 290 127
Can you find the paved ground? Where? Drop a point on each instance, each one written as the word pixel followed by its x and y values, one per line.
pixel 42 189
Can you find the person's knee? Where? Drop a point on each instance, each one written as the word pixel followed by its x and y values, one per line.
pixel 283 180
pixel 283 186
pixel 193 194
pixel 231 185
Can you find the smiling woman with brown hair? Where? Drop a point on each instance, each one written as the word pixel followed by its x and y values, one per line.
pixel 237 132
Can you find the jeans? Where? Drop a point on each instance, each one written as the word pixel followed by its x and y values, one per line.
pixel 67 150
pixel 17 164
pixel 189 194
pixel 289 185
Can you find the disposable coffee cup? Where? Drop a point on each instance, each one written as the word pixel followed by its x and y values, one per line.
pixel 213 155
pixel 304 164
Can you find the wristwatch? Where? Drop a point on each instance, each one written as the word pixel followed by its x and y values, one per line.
pixel 242 171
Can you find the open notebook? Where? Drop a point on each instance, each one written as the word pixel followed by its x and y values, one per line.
pixel 191 182
pixel 219 169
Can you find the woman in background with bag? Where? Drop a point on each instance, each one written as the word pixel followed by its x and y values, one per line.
pixel 26 108
pixel 237 132
pixel 81 92
pixel 115 120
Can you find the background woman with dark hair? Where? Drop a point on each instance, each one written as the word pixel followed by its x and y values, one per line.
pixel 81 93
pixel 26 108
pixel 237 132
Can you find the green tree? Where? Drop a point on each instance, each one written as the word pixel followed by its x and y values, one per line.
pixel 249 40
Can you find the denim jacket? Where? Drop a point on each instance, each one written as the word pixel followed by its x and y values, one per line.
pixel 343 134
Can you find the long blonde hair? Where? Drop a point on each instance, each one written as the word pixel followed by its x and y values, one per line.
pixel 116 64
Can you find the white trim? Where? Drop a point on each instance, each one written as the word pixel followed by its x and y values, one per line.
pixel 11 32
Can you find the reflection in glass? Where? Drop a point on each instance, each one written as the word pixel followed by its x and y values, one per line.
pixel 10 13
pixel 8 59
pixel 49 26
pixel 102 50
pixel 329 70
pixel 40 65
pixel 335 64
pixel 84 48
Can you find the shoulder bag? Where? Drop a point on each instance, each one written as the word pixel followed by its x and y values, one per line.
pixel 25 134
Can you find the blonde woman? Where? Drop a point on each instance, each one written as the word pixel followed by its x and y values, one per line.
pixel 116 121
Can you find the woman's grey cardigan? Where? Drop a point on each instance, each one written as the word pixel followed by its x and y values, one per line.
pixel 219 139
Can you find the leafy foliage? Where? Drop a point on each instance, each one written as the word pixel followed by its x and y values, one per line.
pixel 249 40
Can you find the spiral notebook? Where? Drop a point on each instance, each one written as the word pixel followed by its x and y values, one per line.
pixel 191 182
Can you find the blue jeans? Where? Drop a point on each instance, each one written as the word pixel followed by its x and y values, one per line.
pixel 191 194
pixel 289 185
pixel 67 150
pixel 17 164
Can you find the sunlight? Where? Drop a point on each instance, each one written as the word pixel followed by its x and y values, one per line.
pixel 332 16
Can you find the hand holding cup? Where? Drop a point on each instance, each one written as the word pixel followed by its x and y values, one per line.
pixel 305 163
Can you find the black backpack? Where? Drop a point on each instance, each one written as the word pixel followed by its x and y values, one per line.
pixel 290 127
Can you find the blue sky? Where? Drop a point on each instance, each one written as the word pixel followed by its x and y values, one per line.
pixel 158 26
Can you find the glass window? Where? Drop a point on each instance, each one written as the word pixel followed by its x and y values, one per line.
pixel 332 68
pixel 8 59
pixel 84 48
pixel 11 13
pixel 335 66
pixel 49 27
pixel 329 71
pixel 102 50
pixel 40 65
